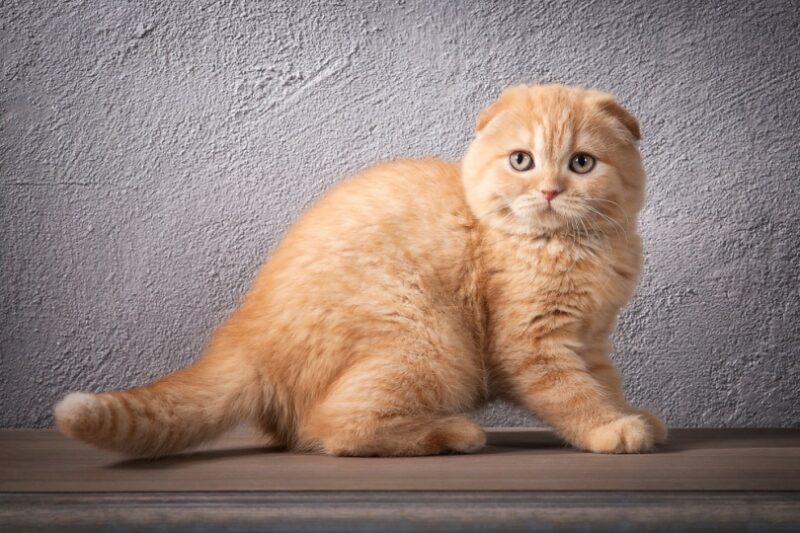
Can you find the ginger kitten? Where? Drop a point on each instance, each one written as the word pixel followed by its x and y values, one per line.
pixel 418 289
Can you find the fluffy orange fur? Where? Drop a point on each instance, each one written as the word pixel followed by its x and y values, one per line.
pixel 415 291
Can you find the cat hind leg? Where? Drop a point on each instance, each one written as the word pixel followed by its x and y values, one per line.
pixel 377 410
pixel 406 436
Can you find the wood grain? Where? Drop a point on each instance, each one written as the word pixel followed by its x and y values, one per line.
pixel 402 511
pixel 515 460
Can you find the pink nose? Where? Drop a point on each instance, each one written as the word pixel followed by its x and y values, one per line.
pixel 549 195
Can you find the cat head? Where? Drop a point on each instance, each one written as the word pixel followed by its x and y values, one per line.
pixel 553 158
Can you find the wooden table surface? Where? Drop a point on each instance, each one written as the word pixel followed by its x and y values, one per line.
pixel 525 480
pixel 514 460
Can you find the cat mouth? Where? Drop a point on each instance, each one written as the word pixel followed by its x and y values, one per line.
pixel 548 210
pixel 532 212
pixel 542 216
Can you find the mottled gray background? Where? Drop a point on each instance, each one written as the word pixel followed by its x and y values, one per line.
pixel 152 154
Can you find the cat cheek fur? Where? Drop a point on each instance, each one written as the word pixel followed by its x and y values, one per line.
pixel 375 325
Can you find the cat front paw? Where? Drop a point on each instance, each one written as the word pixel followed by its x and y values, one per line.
pixel 628 434
pixel 656 424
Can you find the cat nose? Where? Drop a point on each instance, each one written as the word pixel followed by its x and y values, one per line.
pixel 549 195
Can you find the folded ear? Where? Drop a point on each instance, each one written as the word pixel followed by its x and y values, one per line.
pixel 506 97
pixel 608 104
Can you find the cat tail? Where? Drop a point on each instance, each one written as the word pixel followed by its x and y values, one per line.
pixel 179 411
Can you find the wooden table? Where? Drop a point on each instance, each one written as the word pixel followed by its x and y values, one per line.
pixel 525 479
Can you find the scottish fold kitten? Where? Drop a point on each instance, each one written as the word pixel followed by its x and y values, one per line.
pixel 416 290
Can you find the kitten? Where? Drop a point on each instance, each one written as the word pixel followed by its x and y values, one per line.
pixel 418 289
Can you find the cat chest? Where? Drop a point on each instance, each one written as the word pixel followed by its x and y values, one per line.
pixel 537 302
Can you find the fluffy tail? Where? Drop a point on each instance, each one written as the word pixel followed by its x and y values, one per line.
pixel 178 411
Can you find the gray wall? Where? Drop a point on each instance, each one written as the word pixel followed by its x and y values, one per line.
pixel 151 156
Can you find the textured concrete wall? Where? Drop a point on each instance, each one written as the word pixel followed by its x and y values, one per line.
pixel 151 155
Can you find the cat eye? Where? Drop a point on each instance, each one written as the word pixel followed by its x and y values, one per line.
pixel 581 163
pixel 521 161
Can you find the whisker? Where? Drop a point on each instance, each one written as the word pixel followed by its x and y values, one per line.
pixel 613 203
